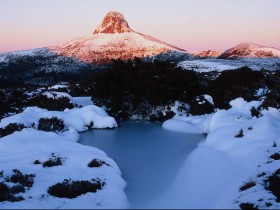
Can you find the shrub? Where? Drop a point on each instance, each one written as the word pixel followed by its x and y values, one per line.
pixel 7 194
pixel 73 189
pixel 233 84
pixel 51 124
pixel 200 105
pixel 95 163
pixel 127 87
pixel 161 117
pixel 11 128
pixel 53 161
pixel 255 113
pixel 273 184
pixel 275 156
pixel 51 104
pixel 240 134
pixel 37 162
pixel 248 206
pixel 26 180
pixel 247 186
pixel 17 189
pixel 271 100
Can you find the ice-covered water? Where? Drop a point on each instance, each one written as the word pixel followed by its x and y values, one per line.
pixel 148 156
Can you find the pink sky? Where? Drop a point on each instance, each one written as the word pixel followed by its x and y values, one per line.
pixel 188 24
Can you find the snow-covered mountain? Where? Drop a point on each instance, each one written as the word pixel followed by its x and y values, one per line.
pixel 251 50
pixel 207 53
pixel 113 39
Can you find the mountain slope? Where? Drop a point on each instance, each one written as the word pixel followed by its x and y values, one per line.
pixel 251 50
pixel 207 53
pixel 113 39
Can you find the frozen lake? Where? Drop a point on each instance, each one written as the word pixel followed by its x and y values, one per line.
pixel 148 156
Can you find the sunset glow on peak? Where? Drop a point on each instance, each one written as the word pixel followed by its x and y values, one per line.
pixel 192 25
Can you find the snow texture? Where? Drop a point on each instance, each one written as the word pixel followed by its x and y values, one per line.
pixel 219 65
pixel 214 172
pixel 20 149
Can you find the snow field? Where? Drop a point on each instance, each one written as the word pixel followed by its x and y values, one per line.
pixel 214 172
pixel 20 149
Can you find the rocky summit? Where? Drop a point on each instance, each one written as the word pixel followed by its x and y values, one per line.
pixel 113 22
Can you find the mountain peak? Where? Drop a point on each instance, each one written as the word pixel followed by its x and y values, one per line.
pixel 113 22
pixel 251 50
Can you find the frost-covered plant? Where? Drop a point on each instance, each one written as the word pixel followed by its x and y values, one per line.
pixel 11 128
pixel 7 193
pixel 275 156
pixel 248 206
pixel 255 113
pixel 51 104
pixel 26 180
pixel 271 100
pixel 273 184
pixel 201 105
pixel 95 163
pixel 73 189
pixel 51 124
pixel 247 185
pixel 53 161
pixel 240 134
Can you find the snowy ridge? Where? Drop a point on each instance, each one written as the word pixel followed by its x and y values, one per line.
pixel 219 65
pixel 207 53
pixel 251 50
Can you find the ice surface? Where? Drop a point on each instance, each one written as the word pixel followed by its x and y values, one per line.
pixel 148 156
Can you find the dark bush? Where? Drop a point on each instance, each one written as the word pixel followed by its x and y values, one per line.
pixel 247 186
pixel 268 204
pixel 53 161
pixel 51 124
pixel 233 84
pixel 261 174
pixel 26 180
pixel 273 184
pixel 11 128
pixel 240 134
pixel 37 162
pixel 95 163
pixel 51 104
pixel 271 100
pixel 7 195
pixel 130 87
pixel 200 106
pixel 73 189
pixel 160 117
pixel 275 156
pixel 248 206
pixel 255 113
pixel 17 189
